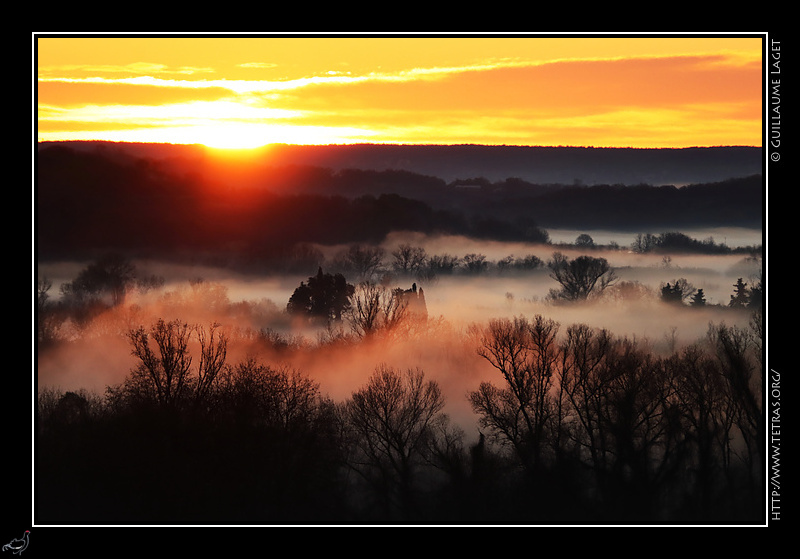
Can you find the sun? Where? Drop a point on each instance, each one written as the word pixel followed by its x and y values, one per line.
pixel 244 136
pixel 234 136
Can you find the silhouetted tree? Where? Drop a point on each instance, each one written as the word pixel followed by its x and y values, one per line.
pixel 376 308
pixel 149 282
pixel 755 299
pixel 325 296
pixel 43 286
pixel 580 277
pixel 213 352
pixel 110 275
pixel 674 241
pixel 300 300
pixel 518 413
pixel 698 299
pixel 389 421
pixel 581 386
pixel 164 375
pixel 678 292
pixel 739 298
pixel 584 240
pixel 744 297
pixel 629 291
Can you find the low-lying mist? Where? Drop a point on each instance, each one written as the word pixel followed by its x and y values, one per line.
pixel 252 309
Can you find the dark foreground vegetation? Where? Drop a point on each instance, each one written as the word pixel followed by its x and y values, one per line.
pixel 580 428
pixel 577 425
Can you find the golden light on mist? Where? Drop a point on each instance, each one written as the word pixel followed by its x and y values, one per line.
pixel 249 92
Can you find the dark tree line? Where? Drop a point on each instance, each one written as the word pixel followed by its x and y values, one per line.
pixel 578 426
pixel 738 201
pixel 676 242
pixel 190 437
pixel 368 304
pixel 537 164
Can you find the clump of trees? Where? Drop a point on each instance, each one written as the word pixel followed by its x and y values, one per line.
pixel 102 284
pixel 660 438
pixel 680 290
pixel 108 278
pixel 324 297
pixel 190 436
pixel 747 297
pixel 369 308
pixel 673 241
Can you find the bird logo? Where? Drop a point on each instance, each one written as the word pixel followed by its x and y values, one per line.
pixel 17 546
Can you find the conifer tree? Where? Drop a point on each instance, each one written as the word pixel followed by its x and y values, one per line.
pixel 740 297
pixel 698 299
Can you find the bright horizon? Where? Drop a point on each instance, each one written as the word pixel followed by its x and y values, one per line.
pixel 245 92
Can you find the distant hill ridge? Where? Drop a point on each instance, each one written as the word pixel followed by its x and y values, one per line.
pixel 536 164
pixel 108 197
pixel 563 165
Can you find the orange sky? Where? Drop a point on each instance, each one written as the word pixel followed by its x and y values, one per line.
pixel 632 91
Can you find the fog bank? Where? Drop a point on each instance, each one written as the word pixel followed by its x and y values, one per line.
pixel 96 355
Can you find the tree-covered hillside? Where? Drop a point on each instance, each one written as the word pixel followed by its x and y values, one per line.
pixel 89 200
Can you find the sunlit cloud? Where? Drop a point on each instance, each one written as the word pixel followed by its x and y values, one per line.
pixel 216 110
pixel 657 100
pixel 57 73
pixel 266 86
